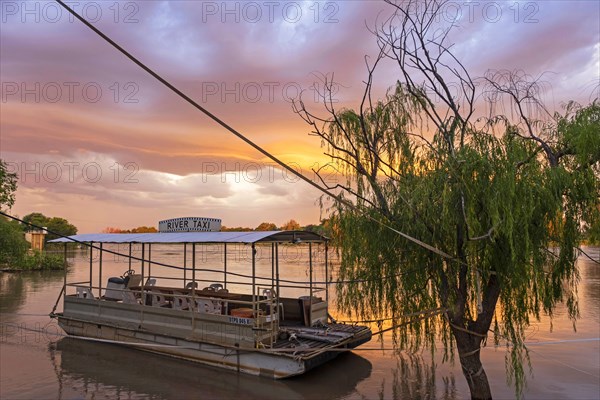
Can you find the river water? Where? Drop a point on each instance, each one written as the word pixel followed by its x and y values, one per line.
pixel 38 362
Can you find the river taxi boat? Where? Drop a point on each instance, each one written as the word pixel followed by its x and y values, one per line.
pixel 247 322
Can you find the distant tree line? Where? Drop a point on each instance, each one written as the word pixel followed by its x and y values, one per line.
pixel 139 229
pixel 57 226
pixel 323 228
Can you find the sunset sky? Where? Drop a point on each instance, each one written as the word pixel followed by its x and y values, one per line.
pixel 98 141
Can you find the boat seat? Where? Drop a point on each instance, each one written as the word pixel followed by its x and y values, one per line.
pixel 116 280
pixel 134 280
pixel 192 285
pixel 84 292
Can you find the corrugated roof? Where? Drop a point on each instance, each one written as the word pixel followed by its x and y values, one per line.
pixel 195 237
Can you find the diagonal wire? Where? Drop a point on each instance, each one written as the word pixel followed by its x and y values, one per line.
pixel 244 138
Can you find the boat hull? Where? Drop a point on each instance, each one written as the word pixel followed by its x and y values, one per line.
pixel 218 340
pixel 242 360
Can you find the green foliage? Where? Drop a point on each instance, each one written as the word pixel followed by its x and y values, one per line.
pixel 477 218
pixel 59 226
pixel 36 218
pixel 578 135
pixel 235 229
pixel 40 261
pixel 510 220
pixel 580 139
pixel 139 229
pixel 15 254
pixel 592 235
pixel 13 245
pixel 8 186
pixel 320 229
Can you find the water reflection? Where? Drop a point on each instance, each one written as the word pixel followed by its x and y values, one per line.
pixel 121 372
pixel 15 286
pixel 413 377
pixel 12 293
pixel 590 280
pixel 34 365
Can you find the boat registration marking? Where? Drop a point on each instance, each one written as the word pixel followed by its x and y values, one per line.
pixel 239 320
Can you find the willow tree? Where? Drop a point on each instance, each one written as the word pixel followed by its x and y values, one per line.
pixel 457 227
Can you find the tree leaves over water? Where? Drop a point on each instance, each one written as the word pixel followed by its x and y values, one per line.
pixel 523 222
pixel 451 216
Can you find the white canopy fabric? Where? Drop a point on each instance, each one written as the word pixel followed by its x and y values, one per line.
pixel 196 237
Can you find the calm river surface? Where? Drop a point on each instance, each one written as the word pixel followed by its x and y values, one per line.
pixel 46 365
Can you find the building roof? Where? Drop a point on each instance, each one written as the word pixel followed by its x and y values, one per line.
pixel 196 237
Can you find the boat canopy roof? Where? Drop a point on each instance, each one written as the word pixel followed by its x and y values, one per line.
pixel 197 237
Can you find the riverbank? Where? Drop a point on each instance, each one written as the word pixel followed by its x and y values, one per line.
pixel 35 261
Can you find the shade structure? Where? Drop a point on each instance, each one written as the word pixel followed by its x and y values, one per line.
pixel 196 237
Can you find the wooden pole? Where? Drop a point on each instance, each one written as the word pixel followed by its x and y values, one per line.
pixel 100 274
pixel 184 264
pixel 91 262
pixel 193 270
pixel 254 311
pixel 129 269
pixel 65 270
pixel 277 268
pixel 272 265
pixel 149 260
pixel 142 282
pixel 225 266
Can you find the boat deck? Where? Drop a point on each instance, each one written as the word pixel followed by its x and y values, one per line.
pixel 302 340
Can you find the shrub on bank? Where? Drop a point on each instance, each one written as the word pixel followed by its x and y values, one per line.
pixel 39 261
pixel 15 253
pixel 13 245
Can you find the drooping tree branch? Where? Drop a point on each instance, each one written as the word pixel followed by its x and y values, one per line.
pixel 415 158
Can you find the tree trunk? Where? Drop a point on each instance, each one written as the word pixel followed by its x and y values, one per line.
pixel 469 351
pixel 476 377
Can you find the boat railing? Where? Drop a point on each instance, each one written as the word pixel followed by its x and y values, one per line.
pixel 148 290
pixel 262 309
pixel 298 285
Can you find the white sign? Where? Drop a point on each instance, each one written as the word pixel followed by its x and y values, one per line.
pixel 240 320
pixel 190 224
